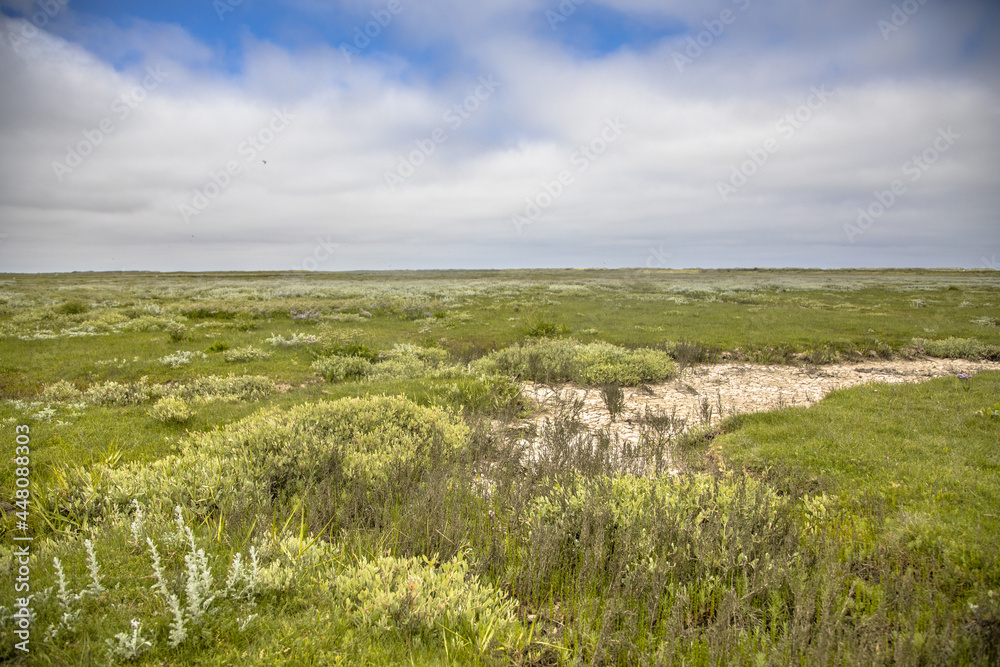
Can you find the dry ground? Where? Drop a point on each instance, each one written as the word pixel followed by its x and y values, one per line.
pixel 704 394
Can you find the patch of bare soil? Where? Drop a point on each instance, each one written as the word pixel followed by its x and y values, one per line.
pixel 705 394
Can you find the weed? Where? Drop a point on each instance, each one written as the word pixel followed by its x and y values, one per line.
pixel 614 399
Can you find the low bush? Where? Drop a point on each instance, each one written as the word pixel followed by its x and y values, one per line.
pixel 72 308
pixel 62 392
pixel 249 353
pixel 569 360
pixel 402 362
pixel 247 388
pixel 338 368
pixel 181 358
pixel 313 452
pixel 421 595
pixel 171 410
pixel 956 348
pixel 154 323
pixel 118 394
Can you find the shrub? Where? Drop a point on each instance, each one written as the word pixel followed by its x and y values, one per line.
pixel 295 339
pixel 489 393
pixel 176 331
pixel 371 443
pixel 229 388
pixel 249 353
pixel 152 323
pixel 62 392
pixel 117 394
pixel 614 400
pixel 615 531
pixel 408 361
pixel 172 410
pixel 181 358
pixel 569 360
pixel 400 363
pixel 72 308
pixel 421 595
pixel 338 368
pixel 305 315
pixel 956 348
pixel 541 328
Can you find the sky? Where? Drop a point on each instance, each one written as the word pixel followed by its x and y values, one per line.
pixel 430 134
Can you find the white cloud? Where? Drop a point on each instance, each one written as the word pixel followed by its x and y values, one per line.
pixel 353 121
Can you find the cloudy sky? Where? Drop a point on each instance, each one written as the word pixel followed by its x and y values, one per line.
pixel 409 134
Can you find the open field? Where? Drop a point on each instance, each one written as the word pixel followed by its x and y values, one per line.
pixel 518 467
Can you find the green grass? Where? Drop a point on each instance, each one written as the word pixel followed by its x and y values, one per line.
pixel 920 455
pixel 859 531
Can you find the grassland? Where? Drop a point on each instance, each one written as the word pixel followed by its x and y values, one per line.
pixel 353 486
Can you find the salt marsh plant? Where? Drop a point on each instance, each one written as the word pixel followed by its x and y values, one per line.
pixel 555 360
pixel 956 348
pixel 614 399
pixel 249 353
pixel 171 409
pixel 342 521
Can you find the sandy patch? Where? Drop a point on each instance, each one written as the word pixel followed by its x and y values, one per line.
pixel 701 393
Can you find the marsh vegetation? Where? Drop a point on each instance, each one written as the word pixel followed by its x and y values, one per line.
pixel 347 469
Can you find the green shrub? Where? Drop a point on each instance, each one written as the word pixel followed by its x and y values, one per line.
pixel 295 339
pixel 541 328
pixel 569 360
pixel 213 387
pixel 338 368
pixel 956 348
pixel 680 542
pixel 372 443
pixel 408 361
pixel 490 393
pixel 420 595
pixel 171 410
pixel 176 331
pixel 249 353
pixel 62 392
pixel 153 323
pixel 72 308
pixel 105 322
pixel 117 394
pixel 400 363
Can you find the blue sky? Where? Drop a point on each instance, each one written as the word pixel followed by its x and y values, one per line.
pixel 211 134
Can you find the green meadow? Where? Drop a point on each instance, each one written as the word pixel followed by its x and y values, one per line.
pixel 322 469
